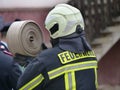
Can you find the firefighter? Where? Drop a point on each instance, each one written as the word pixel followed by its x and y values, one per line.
pixel 3 41
pixel 9 70
pixel 3 34
pixel 71 64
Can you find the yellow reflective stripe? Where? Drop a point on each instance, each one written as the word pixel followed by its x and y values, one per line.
pixel 70 82
pixel 33 83
pixel 72 67
pixel 66 81
pixel 73 81
pixel 96 79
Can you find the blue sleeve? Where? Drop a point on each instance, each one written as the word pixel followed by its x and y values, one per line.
pixel 32 77
pixel 14 74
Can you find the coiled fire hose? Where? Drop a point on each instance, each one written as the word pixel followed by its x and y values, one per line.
pixel 25 37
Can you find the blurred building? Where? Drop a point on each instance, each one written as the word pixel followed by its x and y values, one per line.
pixel 28 9
pixel 102 20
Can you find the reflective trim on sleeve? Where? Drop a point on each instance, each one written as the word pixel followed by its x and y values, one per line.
pixel 96 78
pixel 72 67
pixel 33 83
pixel 70 82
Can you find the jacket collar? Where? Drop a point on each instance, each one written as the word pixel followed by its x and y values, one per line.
pixel 76 43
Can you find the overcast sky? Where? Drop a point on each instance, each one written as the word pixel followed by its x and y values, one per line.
pixel 29 3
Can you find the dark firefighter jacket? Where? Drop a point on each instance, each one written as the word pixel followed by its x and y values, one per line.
pixel 4 49
pixel 64 67
pixel 9 72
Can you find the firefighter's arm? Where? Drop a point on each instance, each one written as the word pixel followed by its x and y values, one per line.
pixel 32 77
pixel 14 74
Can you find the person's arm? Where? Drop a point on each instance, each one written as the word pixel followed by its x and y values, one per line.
pixel 14 74
pixel 32 77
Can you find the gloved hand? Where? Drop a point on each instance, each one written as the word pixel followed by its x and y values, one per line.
pixel 22 59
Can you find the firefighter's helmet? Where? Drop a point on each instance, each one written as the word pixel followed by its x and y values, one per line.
pixel 62 20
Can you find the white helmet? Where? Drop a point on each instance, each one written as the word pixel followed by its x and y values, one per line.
pixel 64 18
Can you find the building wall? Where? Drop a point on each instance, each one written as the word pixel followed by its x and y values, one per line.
pixel 109 66
pixel 38 15
pixel 29 3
